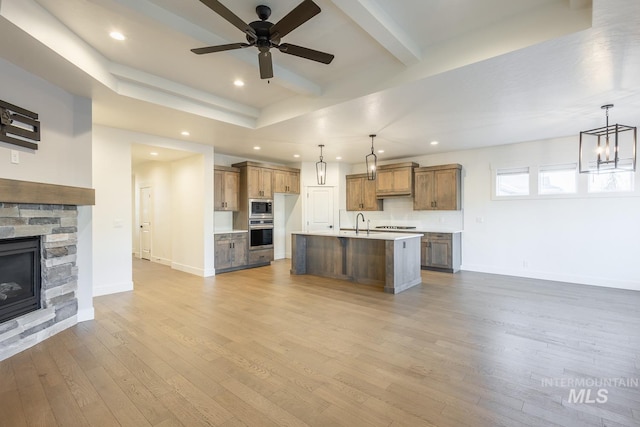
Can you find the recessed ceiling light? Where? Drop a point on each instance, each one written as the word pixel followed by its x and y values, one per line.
pixel 434 142
pixel 185 133
pixel 380 151
pixel 116 35
pixel 338 158
pixel 238 83
pixel 256 148
pixel 296 155
pixel 153 153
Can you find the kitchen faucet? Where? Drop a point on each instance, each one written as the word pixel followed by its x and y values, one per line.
pixel 360 214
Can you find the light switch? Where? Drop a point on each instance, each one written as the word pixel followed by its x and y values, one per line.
pixel 15 156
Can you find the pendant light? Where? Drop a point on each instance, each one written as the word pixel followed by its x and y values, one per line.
pixel 321 169
pixel 611 148
pixel 372 162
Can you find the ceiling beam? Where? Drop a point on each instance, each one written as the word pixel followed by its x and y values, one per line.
pixel 282 76
pixel 382 28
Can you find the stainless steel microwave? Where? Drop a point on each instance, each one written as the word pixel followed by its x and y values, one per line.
pixel 260 208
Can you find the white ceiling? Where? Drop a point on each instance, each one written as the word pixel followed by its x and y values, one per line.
pixel 467 73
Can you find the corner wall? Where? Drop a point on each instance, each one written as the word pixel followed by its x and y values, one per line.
pixel 63 157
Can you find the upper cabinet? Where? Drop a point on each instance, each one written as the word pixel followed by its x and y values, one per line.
pixel 262 180
pixel 361 194
pixel 226 184
pixel 259 183
pixel 286 181
pixel 395 180
pixel 438 188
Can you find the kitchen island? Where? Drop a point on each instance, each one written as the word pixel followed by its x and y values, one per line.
pixel 390 260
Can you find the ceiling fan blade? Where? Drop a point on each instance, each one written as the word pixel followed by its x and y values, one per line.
pixel 306 53
pixel 220 48
pixel 298 16
pixel 266 65
pixel 222 10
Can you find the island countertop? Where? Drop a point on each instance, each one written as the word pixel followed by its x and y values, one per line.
pixel 373 235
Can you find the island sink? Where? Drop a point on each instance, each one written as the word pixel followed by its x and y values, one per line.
pixel 389 260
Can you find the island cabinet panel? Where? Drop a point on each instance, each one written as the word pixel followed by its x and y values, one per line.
pixel 441 252
pixel 402 267
pixel 326 257
pixel 361 194
pixel 366 261
pixel 395 180
pixel 226 184
pixel 286 181
pixel 438 188
pixel 230 251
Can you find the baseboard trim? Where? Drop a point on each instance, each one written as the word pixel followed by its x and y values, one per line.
pixel 86 314
pixel 112 289
pixel 557 277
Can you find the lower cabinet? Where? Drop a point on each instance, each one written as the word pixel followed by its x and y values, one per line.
pixel 441 252
pixel 230 251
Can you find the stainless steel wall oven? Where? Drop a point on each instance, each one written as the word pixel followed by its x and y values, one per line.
pixel 261 233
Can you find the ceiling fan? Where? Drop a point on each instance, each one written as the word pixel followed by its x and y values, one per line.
pixel 264 35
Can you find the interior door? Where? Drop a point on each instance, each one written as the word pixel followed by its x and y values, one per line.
pixel 145 222
pixel 319 211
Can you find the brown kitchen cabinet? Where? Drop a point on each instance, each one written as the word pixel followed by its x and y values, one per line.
pixel 361 194
pixel 441 252
pixel 395 180
pixel 286 181
pixel 226 184
pixel 231 251
pixel 438 188
pixel 259 183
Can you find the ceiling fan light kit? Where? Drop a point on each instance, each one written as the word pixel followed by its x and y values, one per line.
pixel 611 148
pixel 265 35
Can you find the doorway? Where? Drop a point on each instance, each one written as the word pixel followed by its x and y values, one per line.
pixel 146 214
pixel 319 215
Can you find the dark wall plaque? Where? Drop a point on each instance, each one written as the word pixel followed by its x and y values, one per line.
pixel 19 126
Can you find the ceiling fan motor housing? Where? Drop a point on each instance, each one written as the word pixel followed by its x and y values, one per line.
pixel 264 39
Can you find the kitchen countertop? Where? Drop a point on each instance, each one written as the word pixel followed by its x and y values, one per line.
pixel 373 235
pixel 229 231
pixel 413 230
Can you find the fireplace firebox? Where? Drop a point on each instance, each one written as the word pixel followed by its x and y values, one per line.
pixel 19 277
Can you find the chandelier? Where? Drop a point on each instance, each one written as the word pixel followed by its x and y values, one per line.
pixel 611 148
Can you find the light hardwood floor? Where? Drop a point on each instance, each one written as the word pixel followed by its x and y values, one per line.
pixel 263 348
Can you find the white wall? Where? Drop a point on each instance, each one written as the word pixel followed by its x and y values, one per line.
pixel 192 216
pixel 112 270
pixel 588 240
pixel 63 156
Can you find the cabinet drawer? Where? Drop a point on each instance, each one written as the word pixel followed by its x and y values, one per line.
pixel 437 236
pixel 261 256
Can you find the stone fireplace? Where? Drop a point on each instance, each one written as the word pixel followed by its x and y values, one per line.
pixel 47 232
pixel 20 278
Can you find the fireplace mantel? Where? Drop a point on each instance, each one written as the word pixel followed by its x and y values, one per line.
pixel 14 191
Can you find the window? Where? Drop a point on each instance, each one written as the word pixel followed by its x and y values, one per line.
pixel 557 179
pixel 609 182
pixel 512 182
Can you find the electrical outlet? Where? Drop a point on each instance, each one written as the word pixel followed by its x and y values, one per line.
pixel 15 157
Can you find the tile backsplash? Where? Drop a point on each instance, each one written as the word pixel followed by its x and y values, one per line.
pixel 399 211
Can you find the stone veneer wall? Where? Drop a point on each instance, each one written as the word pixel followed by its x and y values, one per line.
pixel 58 226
